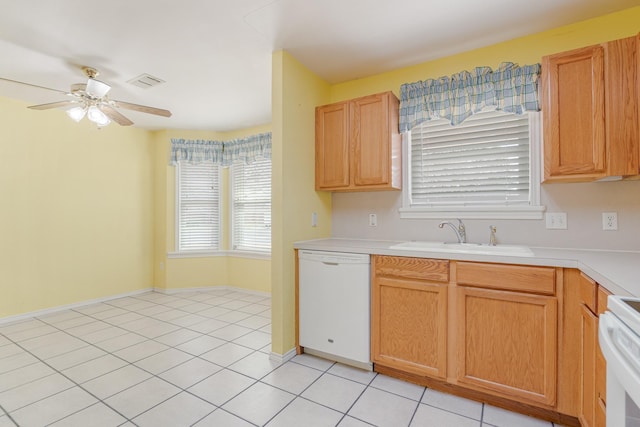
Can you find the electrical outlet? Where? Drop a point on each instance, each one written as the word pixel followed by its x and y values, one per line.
pixel 556 220
pixel 314 219
pixel 373 220
pixel 609 220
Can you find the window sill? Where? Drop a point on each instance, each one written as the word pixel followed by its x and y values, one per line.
pixel 474 212
pixel 196 254
pixel 214 254
pixel 249 254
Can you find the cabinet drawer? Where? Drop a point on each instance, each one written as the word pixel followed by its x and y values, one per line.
pixel 436 270
pixel 537 280
pixel 588 292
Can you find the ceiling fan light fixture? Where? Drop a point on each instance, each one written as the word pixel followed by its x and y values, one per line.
pixel 77 113
pixel 98 117
pixel 96 88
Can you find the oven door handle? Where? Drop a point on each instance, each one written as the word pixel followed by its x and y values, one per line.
pixel 618 362
pixel 605 330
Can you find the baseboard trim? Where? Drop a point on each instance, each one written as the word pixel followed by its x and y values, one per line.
pixel 281 358
pixel 52 310
pixel 172 291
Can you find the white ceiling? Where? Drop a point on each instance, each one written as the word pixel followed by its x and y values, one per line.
pixel 215 55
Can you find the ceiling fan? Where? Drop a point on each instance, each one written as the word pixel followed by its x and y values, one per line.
pixel 91 99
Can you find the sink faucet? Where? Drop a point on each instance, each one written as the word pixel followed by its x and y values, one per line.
pixel 460 231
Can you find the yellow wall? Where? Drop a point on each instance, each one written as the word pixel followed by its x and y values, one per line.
pixel 250 274
pixel 296 93
pixel 524 50
pixel 76 221
pixel 175 273
pixel 295 87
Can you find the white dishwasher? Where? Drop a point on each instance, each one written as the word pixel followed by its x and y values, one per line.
pixel 334 306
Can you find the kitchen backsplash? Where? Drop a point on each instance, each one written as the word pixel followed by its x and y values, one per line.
pixel 583 203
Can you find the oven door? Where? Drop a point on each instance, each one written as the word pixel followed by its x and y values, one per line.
pixel 621 348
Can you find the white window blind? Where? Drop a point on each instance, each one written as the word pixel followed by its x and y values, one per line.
pixel 483 161
pixel 198 207
pixel 251 218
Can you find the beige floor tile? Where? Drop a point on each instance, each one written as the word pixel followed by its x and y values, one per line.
pixel 221 386
pixel 96 415
pixel 259 403
pixel 183 409
pixel 94 368
pixel 141 397
pixel 190 372
pixel 292 377
pixel 335 392
pixel 314 415
pixel 116 381
pixel 53 408
pixel 383 409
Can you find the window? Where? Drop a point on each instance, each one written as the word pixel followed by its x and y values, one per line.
pixel 251 206
pixel 198 207
pixel 486 167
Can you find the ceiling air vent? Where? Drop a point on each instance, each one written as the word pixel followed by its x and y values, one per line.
pixel 145 81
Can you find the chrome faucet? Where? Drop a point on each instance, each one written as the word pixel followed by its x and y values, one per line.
pixel 460 231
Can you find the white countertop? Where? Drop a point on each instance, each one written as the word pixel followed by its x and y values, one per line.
pixel 618 271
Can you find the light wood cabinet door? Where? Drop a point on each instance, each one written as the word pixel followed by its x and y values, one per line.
pixel 332 146
pixel 409 314
pixel 409 330
pixel 601 367
pixel 590 99
pixel 573 101
pixel 507 344
pixel 370 139
pixel 621 107
pixel 589 332
pixel 358 145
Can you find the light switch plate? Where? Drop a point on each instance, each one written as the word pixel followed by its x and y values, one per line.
pixel 556 220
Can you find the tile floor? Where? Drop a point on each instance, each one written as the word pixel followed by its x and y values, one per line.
pixel 199 359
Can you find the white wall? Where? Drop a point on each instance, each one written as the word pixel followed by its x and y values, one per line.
pixel 583 203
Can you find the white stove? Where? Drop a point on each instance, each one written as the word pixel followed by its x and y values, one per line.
pixel 619 337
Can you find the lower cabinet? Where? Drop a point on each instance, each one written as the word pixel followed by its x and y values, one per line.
pixel 589 335
pixel 482 326
pixel 522 337
pixel 409 314
pixel 593 368
pixel 601 366
pixel 506 343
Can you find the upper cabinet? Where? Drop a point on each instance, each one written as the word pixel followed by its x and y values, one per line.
pixel 590 102
pixel 358 146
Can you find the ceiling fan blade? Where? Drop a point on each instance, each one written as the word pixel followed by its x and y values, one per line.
pixel 143 108
pixel 53 105
pixel 114 115
pixel 36 86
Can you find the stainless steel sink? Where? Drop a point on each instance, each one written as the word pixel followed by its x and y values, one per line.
pixel 464 248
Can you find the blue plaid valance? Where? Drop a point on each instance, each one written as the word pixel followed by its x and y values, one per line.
pixel 510 88
pixel 223 153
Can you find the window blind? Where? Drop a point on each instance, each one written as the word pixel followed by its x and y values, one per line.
pixel 483 161
pixel 251 217
pixel 198 207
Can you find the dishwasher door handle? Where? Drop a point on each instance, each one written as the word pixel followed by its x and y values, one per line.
pixel 329 263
